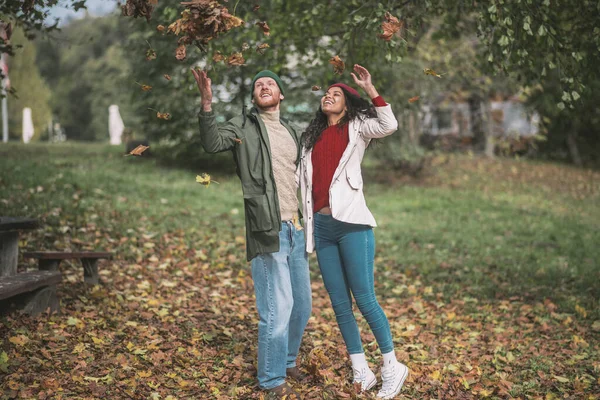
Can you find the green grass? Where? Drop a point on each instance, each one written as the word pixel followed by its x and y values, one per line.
pixel 488 228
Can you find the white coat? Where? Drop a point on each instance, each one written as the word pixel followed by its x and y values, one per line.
pixel 346 197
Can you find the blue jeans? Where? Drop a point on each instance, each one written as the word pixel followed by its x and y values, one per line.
pixel 284 304
pixel 346 253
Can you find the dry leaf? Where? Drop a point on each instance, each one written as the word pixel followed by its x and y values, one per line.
pixel 260 49
pixel 245 46
pixel 138 150
pixel 138 8
pixel 218 57
pixel 150 54
pixel 160 28
pixel 429 71
pixel 255 8
pixel 180 53
pixel 165 116
pixel 413 99
pixel 390 26
pixel 265 28
pixel 315 88
pixel 338 65
pixel 167 77
pixel 296 223
pixel 145 88
pixel 204 179
pixel 236 59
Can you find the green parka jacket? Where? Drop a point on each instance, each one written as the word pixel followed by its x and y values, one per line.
pixel 246 136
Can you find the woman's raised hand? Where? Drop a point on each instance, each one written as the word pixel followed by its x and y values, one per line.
pixel 363 80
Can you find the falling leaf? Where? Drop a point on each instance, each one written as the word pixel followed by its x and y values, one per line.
pixel 255 8
pixel 315 88
pixel 218 57
pixel 204 179
pixel 137 152
pixel 138 8
pixel 296 223
pixel 145 88
pixel 150 54
pixel 413 99
pixel 180 52
pixel 390 26
pixel 165 116
pixel 338 65
pixel 236 59
pixel 167 77
pixel 265 28
pixel 245 46
pixel 161 28
pixel 429 71
pixel 260 49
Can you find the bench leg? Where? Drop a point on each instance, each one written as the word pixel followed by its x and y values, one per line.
pixel 9 252
pixel 48 265
pixel 42 299
pixel 32 303
pixel 90 270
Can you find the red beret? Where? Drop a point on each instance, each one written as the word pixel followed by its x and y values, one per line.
pixel 346 88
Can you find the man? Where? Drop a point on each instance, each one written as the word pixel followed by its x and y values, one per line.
pixel 267 150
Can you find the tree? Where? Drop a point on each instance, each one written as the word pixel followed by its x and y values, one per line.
pixel 32 91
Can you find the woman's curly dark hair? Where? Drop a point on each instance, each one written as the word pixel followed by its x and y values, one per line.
pixel 355 105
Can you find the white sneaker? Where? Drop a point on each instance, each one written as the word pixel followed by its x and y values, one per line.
pixel 393 378
pixel 365 377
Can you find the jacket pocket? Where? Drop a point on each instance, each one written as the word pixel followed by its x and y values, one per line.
pixel 354 179
pixel 258 213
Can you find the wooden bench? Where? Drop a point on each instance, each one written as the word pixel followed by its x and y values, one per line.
pixel 32 291
pixel 50 260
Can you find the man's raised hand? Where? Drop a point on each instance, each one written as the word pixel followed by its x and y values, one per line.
pixel 204 85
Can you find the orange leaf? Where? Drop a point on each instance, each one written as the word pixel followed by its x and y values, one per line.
pixel 315 88
pixel 413 99
pixel 338 65
pixel 165 116
pixel 265 28
pixel 180 53
pixel 390 26
pixel 138 150
pixel 160 28
pixel 260 49
pixel 429 71
pixel 167 77
pixel 236 59
pixel 218 57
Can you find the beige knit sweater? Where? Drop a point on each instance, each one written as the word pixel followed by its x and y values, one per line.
pixel 283 156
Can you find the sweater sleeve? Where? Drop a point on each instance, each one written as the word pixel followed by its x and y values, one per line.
pixel 379 101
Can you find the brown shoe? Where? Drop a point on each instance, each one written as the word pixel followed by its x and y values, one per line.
pixel 284 391
pixel 296 374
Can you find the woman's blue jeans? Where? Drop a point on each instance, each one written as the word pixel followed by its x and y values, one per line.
pixel 284 303
pixel 346 255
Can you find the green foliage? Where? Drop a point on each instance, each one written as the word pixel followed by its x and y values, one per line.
pixel 31 89
pixel 88 70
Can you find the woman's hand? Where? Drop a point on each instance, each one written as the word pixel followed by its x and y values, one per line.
pixel 364 80
pixel 204 85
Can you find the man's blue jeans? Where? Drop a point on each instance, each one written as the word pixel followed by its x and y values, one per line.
pixel 346 253
pixel 284 304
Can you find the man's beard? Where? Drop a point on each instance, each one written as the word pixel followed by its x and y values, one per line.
pixel 266 103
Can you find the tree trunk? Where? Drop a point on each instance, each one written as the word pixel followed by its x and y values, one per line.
pixel 475 114
pixel 573 149
pixel 489 145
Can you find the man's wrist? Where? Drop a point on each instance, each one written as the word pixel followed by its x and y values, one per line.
pixel 207 107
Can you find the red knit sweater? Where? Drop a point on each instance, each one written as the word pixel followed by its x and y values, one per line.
pixel 326 155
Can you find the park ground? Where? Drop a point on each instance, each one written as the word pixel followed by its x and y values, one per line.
pixel 487 269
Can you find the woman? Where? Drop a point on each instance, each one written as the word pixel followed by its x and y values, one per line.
pixel 338 223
